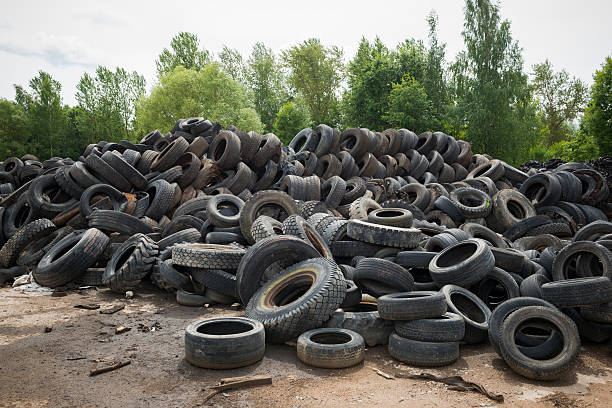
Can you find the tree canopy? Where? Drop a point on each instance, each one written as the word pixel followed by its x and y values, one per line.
pixel 184 93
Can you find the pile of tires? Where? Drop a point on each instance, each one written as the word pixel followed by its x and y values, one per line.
pixel 354 231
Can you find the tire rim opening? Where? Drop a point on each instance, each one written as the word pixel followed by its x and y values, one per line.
pixel 224 328
pixel 331 338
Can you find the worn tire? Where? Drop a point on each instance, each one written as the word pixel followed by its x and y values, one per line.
pixel 331 348
pixel 224 342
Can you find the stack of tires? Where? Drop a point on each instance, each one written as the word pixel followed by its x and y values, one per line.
pixel 314 234
pixel 425 333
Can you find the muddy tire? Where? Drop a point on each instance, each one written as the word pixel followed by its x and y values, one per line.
pixel 331 348
pixel 224 342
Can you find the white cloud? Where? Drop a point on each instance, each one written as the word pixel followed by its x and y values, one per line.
pixel 101 18
pixel 59 50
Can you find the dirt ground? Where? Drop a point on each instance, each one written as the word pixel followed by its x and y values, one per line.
pixel 40 369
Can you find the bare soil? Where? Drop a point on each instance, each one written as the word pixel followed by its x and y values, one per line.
pixel 40 369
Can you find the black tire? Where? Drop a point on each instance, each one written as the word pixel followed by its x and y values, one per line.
pixel 510 207
pixel 361 207
pixel 66 183
pixel 531 286
pixel 541 189
pixel 383 235
pixel 132 175
pixel 331 348
pixel 91 277
pixel 207 256
pixel 225 150
pixel 549 369
pixel 438 242
pixel 423 354
pixel 597 252
pixel 473 310
pixel 281 202
pixel 480 231
pixel 450 208
pixel 415 194
pixel 395 217
pixel 118 199
pixel 298 227
pixel 388 276
pixel 70 257
pixel 169 155
pixel 103 171
pixel 220 201
pixel 264 227
pixel 355 188
pixel 116 221
pixel 411 305
pixel 302 298
pixel 504 310
pixel 333 190
pixel 353 293
pixel 36 249
pixel 170 277
pixel 351 249
pixel 130 263
pixel 217 280
pixel 224 342
pixel 23 237
pixel 191 299
pixel 578 292
pixel 445 328
pixel 270 150
pixel 187 235
pixel 462 264
pixel 46 197
pixel 363 319
pixel 161 194
pixel 287 249
pixel 490 285
pixel 471 202
pixel 414 259
pixel 521 228
pixel 593 230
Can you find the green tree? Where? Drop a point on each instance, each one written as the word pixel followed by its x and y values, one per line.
pixel 493 97
pixel 185 51
pixel 266 82
pixel 434 82
pixel 316 73
pixel 43 112
pixel 212 94
pixel 290 119
pixel 560 98
pixel 370 77
pixel 107 103
pixel 597 120
pixel 409 106
pixel 13 130
pixel 232 63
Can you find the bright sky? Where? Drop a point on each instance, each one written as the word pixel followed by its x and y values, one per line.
pixel 67 38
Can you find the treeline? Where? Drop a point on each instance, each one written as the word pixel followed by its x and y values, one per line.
pixel 484 95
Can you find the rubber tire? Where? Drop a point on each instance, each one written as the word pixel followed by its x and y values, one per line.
pixel 310 310
pixel 339 348
pixel 423 354
pixel 78 251
pixel 475 331
pixel 412 305
pixel 445 328
pixel 242 344
pixel 550 369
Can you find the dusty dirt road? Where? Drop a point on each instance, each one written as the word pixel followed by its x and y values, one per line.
pixel 51 369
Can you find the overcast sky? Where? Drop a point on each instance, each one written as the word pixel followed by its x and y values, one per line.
pixel 67 38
